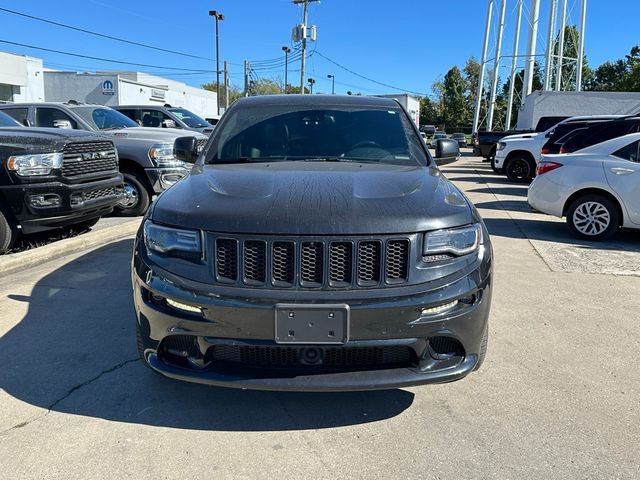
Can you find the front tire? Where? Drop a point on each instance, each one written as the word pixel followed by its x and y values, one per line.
pixel 8 233
pixel 136 197
pixel 519 169
pixel 593 217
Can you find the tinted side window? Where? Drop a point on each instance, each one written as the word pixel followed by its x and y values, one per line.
pixel 630 152
pixel 46 117
pixel 128 113
pixel 18 114
pixel 599 134
pixel 153 118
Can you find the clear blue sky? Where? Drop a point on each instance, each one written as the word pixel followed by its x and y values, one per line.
pixel 405 43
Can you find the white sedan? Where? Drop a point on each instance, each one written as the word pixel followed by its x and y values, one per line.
pixel 597 188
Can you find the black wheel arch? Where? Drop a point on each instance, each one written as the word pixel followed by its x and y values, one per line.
pixel 131 166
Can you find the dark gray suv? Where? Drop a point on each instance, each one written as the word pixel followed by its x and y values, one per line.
pixel 315 246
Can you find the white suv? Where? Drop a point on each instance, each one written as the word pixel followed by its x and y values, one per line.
pixel 517 155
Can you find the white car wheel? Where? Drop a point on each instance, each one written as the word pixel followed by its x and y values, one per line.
pixel 593 217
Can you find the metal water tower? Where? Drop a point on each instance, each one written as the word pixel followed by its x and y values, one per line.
pixel 560 71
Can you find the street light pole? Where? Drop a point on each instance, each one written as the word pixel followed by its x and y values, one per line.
pixel 333 83
pixel 286 51
pixel 218 16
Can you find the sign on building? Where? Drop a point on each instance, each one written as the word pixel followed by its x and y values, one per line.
pixel 107 88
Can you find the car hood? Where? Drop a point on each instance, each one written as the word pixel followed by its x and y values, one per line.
pixel 157 134
pixel 311 198
pixel 519 136
pixel 41 140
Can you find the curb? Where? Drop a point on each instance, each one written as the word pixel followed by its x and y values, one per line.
pixel 37 256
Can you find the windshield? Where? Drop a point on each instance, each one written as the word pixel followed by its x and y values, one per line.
pixel 330 133
pixel 104 118
pixel 191 119
pixel 7 121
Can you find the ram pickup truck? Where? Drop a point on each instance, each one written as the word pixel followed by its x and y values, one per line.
pixel 146 157
pixel 53 178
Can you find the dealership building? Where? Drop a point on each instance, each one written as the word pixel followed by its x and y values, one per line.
pixel 21 79
pixel 127 88
pixel 24 79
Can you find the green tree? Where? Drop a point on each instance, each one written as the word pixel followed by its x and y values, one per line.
pixel 570 51
pixel 471 71
pixel 234 92
pixel 429 114
pixel 454 105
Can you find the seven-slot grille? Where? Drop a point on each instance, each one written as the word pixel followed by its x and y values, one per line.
pixel 312 264
pixel 85 158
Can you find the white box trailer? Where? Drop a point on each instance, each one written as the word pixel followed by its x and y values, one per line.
pixel 411 104
pixel 568 104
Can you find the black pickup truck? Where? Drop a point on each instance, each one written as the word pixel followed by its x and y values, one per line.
pixel 52 178
pixel 484 143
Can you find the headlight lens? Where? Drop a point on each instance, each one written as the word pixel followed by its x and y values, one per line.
pixel 37 164
pixel 173 242
pixel 501 146
pixel 457 241
pixel 162 154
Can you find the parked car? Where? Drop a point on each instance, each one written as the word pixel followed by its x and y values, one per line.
pixel 53 178
pixel 315 246
pixel 437 136
pixel 424 137
pixel 461 138
pixel 485 143
pixel 165 117
pixel 213 121
pixel 146 157
pixel 599 133
pixel 517 155
pixel 428 129
pixel 565 130
pixel 597 188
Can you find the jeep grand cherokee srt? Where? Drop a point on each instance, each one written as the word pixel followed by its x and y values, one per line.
pixel 315 246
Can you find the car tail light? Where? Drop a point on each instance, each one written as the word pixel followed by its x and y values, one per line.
pixel 544 151
pixel 545 167
pixel 564 150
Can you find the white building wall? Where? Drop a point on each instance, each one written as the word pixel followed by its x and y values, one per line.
pixel 21 78
pixel 411 104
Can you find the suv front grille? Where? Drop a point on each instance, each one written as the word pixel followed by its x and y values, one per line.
pixel 84 158
pixel 338 263
pixel 278 356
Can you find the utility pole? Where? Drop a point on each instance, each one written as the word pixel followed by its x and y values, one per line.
pixel 514 63
pixel 496 65
pixel 333 83
pixel 246 78
pixel 218 16
pixel 286 51
pixel 305 16
pixel 483 64
pixel 226 86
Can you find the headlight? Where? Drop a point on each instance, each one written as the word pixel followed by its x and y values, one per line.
pixel 162 154
pixel 37 164
pixel 457 241
pixel 501 146
pixel 172 242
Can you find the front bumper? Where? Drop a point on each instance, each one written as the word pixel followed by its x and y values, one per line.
pixel 501 156
pixel 240 317
pixel 162 178
pixel 78 202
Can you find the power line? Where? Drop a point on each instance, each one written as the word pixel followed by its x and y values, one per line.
pixel 371 79
pixel 110 37
pixel 102 59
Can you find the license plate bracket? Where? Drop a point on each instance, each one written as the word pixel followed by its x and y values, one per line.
pixel 312 324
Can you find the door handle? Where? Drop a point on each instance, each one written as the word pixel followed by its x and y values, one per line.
pixel 622 171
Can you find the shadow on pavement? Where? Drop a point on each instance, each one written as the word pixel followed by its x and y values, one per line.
pixel 514 191
pixel 74 352
pixel 625 240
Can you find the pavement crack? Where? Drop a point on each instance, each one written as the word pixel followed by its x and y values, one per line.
pixel 90 381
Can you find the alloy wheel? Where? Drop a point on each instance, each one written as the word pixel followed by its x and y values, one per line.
pixel 591 218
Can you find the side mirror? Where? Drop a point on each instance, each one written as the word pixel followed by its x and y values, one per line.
pixel 185 149
pixel 62 124
pixel 168 124
pixel 447 151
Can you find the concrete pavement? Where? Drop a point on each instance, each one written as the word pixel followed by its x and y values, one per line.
pixel 556 398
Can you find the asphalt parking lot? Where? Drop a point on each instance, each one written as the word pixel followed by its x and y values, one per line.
pixel 556 398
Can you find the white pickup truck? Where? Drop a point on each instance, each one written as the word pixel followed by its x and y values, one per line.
pixel 517 155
